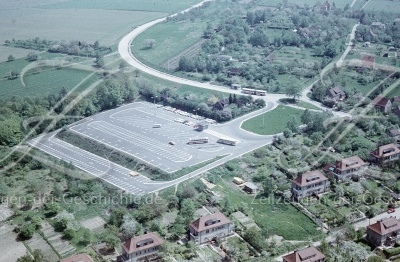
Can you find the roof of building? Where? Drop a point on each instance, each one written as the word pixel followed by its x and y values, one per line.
pixel 310 178
pixel 386 150
pixel 380 101
pixel 385 226
pixel 210 221
pixel 335 91
pixel 251 185
pixel 349 163
pixel 396 99
pixel 377 23
pixel 308 254
pixel 78 258
pixel 393 132
pixel 142 242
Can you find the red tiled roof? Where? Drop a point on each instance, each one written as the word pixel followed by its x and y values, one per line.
pixel 380 101
pixel 349 163
pixel 78 258
pixel 310 178
pixel 386 150
pixel 133 244
pixel 386 226
pixel 200 224
pixel 308 254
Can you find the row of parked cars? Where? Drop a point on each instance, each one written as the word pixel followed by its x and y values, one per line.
pixel 183 113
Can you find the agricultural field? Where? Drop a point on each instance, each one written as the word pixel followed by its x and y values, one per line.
pixel 171 38
pixel 11 249
pixel 274 121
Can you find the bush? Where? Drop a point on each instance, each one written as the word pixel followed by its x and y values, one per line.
pixel 27 231
pixel 391 252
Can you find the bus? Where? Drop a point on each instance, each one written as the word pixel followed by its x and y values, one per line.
pixel 226 142
pixel 197 141
pixel 254 92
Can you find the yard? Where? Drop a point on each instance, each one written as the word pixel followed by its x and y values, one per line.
pixel 271 214
pixel 272 122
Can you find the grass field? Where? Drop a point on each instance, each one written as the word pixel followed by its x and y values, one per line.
pixel 299 104
pixel 394 92
pixel 282 218
pixel 274 121
pixel 383 6
pixel 165 6
pixel 338 3
pixel 171 39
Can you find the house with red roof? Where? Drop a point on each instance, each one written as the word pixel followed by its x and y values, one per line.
pixel 385 232
pixel 78 258
pixel 385 154
pixel 382 104
pixel 141 248
pixel 211 227
pixel 308 184
pixel 308 254
pixel 347 168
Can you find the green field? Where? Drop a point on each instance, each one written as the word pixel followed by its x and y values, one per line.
pixel 46 83
pixel 383 6
pixel 299 103
pixel 171 39
pixel 274 121
pixel 394 92
pixel 165 6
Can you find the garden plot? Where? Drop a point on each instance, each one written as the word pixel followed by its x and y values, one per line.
pixel 11 249
pixel 37 242
pixel 244 220
pixel 63 247
pixel 93 223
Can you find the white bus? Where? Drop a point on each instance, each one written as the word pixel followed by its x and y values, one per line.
pixel 254 92
pixel 226 142
pixel 197 141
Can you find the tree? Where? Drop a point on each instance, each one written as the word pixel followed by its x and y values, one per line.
pixel 51 209
pixel 69 233
pixel 27 231
pixel 4 191
pixel 293 125
pixel 13 75
pixel 187 209
pixel 100 62
pixel 268 186
pixel 26 258
pixel 353 252
pixel 32 56
pixel 111 241
pixel 10 58
pixel 293 90
pixel 128 227
pixel 117 216
pixel 254 238
pixel 36 221
pixel 287 133
pixel 149 42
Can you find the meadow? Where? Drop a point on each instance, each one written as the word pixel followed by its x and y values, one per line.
pixel 275 121
pixel 171 39
pixel 383 6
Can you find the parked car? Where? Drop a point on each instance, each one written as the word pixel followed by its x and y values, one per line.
pixel 171 143
pixel 391 210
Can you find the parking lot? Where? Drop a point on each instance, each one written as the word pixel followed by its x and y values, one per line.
pixel 153 134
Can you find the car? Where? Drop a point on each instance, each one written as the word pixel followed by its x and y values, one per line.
pixel 171 143
pixel 391 210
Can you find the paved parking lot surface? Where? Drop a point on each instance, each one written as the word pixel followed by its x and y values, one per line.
pixel 130 129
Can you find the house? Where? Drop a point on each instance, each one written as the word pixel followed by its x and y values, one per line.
pixel 384 232
pixel 336 93
pixel 308 254
pixel 308 184
pixel 141 248
pixel 368 61
pixel 250 188
pixel 325 7
pixel 393 133
pixel 211 227
pixel 382 104
pixel 221 104
pixel 234 71
pixel 395 196
pixel 347 168
pixel 378 25
pixel 78 258
pixel 385 154
pixel 238 181
pixel 369 36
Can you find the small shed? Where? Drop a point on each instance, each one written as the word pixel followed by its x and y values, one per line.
pixel 238 181
pixel 250 188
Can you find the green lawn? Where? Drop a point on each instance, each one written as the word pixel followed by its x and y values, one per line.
pixel 394 92
pixel 164 6
pixel 383 6
pixel 274 121
pixel 271 214
pixel 289 101
pixel 171 39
